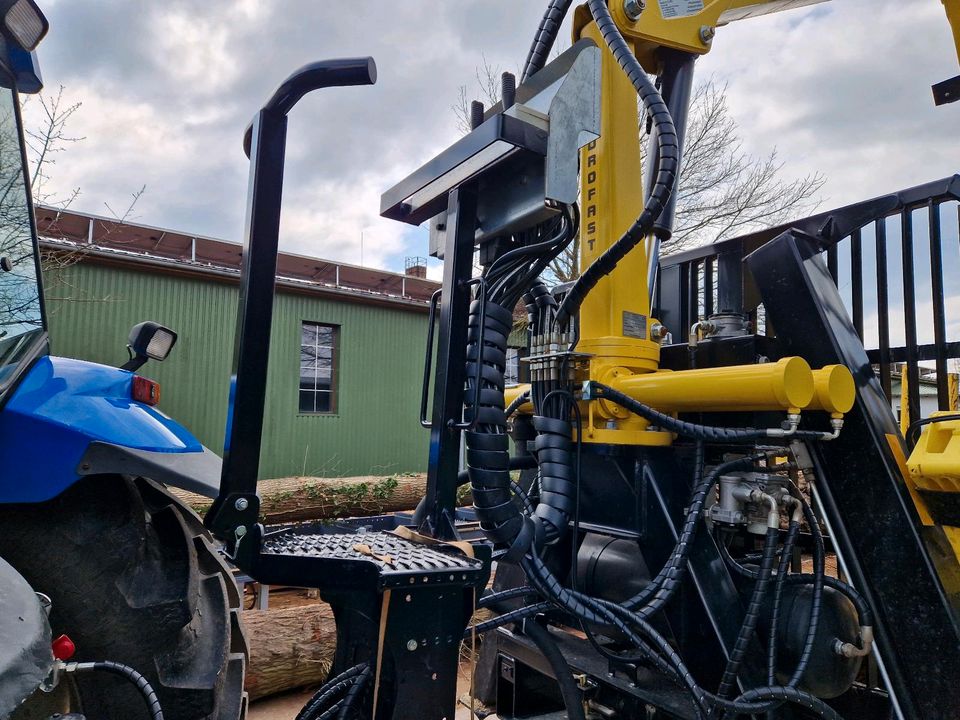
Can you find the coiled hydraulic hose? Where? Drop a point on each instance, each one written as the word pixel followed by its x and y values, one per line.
pixel 662 653
pixel 665 173
pixel 506 618
pixel 752 617
pixel 672 424
pixel 488 457
pixel 317 706
pixel 127 673
pixel 545 37
pixel 353 693
pixel 783 570
pixel 510 594
pixel 557 488
pixel 659 591
pixel 519 462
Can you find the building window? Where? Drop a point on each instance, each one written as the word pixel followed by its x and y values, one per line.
pixel 318 367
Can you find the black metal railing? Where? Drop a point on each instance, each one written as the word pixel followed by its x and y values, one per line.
pixel 909 240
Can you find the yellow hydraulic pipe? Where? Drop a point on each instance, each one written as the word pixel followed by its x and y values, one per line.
pixel 834 390
pixel 786 385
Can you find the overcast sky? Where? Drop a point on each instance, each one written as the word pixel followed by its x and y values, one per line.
pixel 168 87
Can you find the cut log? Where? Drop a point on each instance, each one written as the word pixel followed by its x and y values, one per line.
pixel 289 648
pixel 310 498
pixel 293 647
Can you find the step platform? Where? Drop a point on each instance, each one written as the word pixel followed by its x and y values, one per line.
pixel 401 603
pixel 336 560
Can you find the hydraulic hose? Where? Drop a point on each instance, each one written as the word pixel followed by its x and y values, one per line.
pixel 353 693
pixel 316 706
pixel 572 697
pixel 661 653
pixel 517 403
pixel 488 457
pixel 665 174
pixel 783 569
pixel 509 594
pixel 656 594
pixel 127 673
pixel 672 424
pixel 558 492
pixel 540 636
pixel 781 694
pixel 752 617
pixel 519 462
pixel 508 617
pixel 818 579
pixel 545 37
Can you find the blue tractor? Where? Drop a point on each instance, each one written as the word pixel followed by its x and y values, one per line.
pixel 100 565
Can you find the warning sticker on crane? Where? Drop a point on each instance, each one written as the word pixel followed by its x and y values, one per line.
pixel 680 8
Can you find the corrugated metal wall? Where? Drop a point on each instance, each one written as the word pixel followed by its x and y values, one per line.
pixel 92 307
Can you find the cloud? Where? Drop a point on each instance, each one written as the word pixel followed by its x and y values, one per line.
pixel 168 89
pixel 844 89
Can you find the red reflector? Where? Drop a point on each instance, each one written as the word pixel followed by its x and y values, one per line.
pixel 146 391
pixel 63 648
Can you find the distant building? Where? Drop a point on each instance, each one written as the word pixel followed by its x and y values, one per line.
pixel 346 354
pixel 928 394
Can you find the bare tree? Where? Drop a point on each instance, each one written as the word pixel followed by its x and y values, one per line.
pixel 486 90
pixel 47 138
pixel 47 141
pixel 722 191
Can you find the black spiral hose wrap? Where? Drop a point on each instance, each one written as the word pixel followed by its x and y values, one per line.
pixel 668 156
pixel 317 705
pixel 659 591
pixel 127 673
pixel 752 616
pixel 488 445
pixel 558 491
pixel 672 424
pixel 783 569
pixel 545 37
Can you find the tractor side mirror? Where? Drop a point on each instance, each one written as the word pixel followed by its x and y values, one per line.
pixel 148 341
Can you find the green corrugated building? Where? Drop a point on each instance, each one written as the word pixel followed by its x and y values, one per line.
pixel 346 351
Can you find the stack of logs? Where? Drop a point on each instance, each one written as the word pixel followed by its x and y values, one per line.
pixel 293 647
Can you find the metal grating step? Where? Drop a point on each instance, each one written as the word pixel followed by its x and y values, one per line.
pixel 392 555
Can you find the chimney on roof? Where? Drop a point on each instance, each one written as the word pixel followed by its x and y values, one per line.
pixel 416 267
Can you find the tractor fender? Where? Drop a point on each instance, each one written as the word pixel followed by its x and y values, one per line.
pixel 26 657
pixel 70 418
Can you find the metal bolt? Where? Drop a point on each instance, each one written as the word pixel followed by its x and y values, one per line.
pixel 240 531
pixel 412 645
pixel 707 33
pixel 241 504
pixel 508 89
pixel 633 8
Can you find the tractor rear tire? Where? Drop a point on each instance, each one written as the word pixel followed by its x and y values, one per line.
pixel 135 578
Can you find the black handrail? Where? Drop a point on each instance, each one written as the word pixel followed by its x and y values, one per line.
pixel 237 505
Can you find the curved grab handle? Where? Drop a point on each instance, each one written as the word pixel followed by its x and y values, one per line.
pixel 265 140
pixel 338 72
